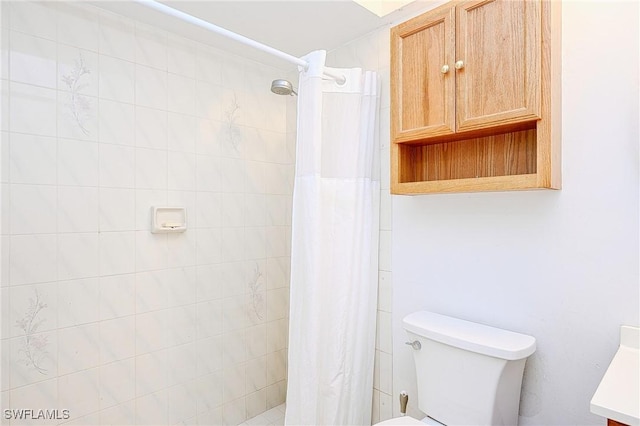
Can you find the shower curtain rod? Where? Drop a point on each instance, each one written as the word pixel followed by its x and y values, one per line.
pixel 153 4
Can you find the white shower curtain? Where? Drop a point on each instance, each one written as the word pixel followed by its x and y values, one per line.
pixel 334 254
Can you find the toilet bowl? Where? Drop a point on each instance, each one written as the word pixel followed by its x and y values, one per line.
pixel 467 373
pixel 409 421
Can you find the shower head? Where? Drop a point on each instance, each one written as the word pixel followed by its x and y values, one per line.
pixel 282 87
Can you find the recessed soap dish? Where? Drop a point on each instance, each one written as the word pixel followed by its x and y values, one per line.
pixel 168 219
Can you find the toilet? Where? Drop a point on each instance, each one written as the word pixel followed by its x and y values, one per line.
pixel 467 373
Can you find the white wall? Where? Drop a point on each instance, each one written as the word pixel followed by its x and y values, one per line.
pixel 559 265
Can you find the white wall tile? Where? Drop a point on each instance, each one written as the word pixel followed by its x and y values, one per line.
pixel 117 296
pixel 4 101
pixel 232 244
pixel 277 335
pixel 78 256
pixel 234 412
pixel 386 372
pixel 33 303
pixel 386 405
pixel 5 157
pixel 233 175
pixel 151 168
pixel 208 285
pixel 182 249
pixel 383 335
pixel 209 358
pixel 234 313
pixel 151 87
pixel 78 163
pixel 76 26
pixel 182 403
pixel 182 171
pixel 384 257
pixel 208 135
pixel 117 209
pixel 122 414
pixel 27 250
pixel 276 239
pixel 78 70
pixel 181 94
pixel 151 372
pixel 152 409
pixel 145 199
pixel 255 206
pixel 117 382
pixel 32 362
pixel 233 382
pixel 32 159
pixel 151 291
pixel 385 210
pixel 117 253
pixel 255 245
pixel 181 56
pixel 208 173
pixel 256 373
pixel 77 209
pixel 80 393
pixel 117 123
pixel 33 209
pixel 208 65
pixel 117 166
pixel 151 46
pixel 209 318
pixel 375 409
pixel 208 212
pixel 151 128
pixel 42 394
pixel 117 79
pixel 385 291
pixel 117 339
pixel 233 276
pixel 35 18
pixel 208 246
pixel 77 116
pixel 182 360
pixel 77 301
pixel 276 366
pixel 210 397
pixel 182 325
pixel 32 110
pixel 233 210
pixel 277 304
pixel 278 272
pixel 117 36
pixel 181 132
pixel 209 101
pixel 78 348
pixel 32 60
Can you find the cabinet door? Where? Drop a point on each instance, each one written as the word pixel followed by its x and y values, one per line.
pixel 498 51
pixel 422 77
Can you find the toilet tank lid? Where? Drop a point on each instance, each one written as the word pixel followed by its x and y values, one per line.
pixel 470 336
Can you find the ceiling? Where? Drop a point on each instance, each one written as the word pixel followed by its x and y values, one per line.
pixel 295 27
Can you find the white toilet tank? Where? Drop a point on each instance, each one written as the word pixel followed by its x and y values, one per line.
pixel 468 373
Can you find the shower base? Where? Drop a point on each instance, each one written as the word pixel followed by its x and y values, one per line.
pixel 273 417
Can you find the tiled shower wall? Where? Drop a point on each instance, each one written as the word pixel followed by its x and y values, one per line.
pixel 102 118
pixel 371 52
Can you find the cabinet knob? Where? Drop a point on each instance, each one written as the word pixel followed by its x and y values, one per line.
pixel 444 69
pixel 459 65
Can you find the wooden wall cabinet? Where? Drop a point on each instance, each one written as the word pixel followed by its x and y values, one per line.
pixel 475 98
